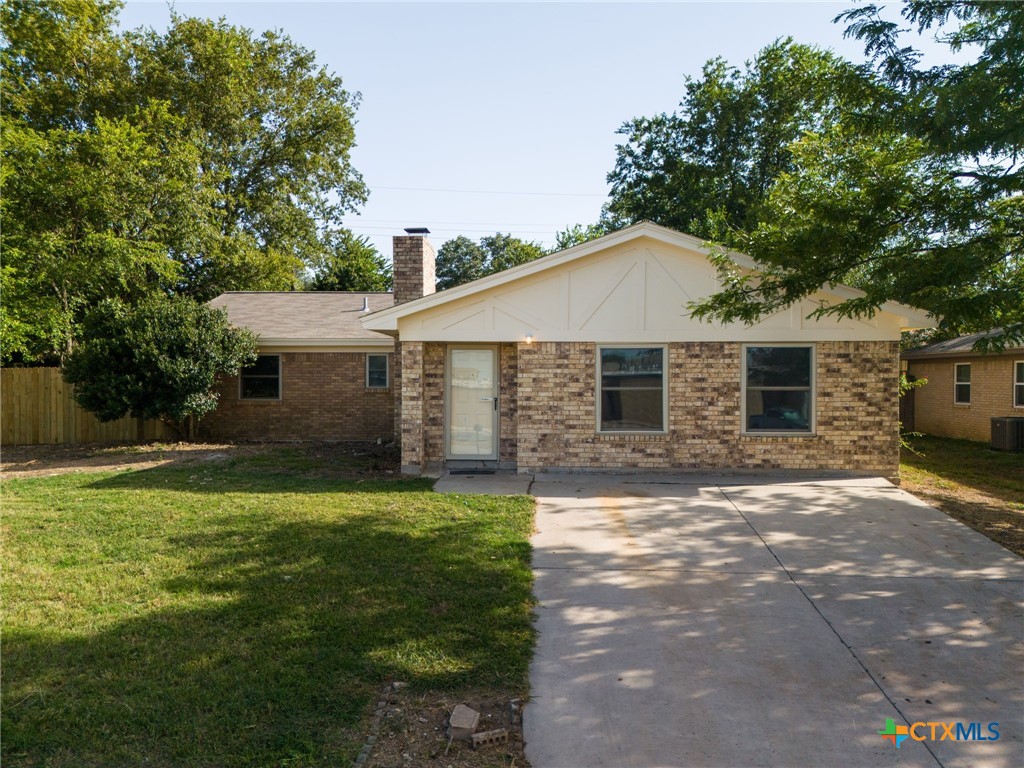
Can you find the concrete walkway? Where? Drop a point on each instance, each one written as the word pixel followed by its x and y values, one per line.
pixel 501 482
pixel 731 622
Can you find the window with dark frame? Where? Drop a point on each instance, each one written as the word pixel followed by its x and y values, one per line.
pixel 632 389
pixel 377 371
pixel 777 385
pixel 1018 383
pixel 262 379
pixel 962 384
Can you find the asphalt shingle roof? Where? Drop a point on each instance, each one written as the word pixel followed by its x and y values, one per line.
pixel 309 315
pixel 961 345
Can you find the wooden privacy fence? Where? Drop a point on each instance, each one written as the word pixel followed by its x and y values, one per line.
pixel 36 407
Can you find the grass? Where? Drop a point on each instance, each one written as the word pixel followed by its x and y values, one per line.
pixel 245 612
pixel 971 482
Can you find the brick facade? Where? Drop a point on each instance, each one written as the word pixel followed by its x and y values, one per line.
pixel 856 407
pixel 411 433
pixel 548 411
pixel 508 394
pixel 323 397
pixel 935 413
pixel 423 390
pixel 413 273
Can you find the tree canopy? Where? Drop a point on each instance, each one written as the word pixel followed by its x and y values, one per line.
pixel 902 181
pixel 711 163
pixel 159 359
pixel 352 264
pixel 197 160
pixel 460 260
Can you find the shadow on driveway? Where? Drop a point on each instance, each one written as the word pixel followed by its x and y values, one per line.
pixel 704 624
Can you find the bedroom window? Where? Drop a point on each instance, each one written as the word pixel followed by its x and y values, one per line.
pixel 262 379
pixel 1018 384
pixel 631 383
pixel 962 384
pixel 377 371
pixel 778 389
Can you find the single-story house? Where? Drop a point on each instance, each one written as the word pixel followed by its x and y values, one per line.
pixel 589 359
pixel 965 389
pixel 584 359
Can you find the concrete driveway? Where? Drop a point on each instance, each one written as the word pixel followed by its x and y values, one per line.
pixel 758 623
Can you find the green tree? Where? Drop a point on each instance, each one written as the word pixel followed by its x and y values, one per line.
pixel 199 160
pixel 460 260
pixel 709 165
pixel 157 359
pixel 274 132
pixel 88 215
pixel 923 204
pixel 504 251
pixel 353 264
pixel 578 234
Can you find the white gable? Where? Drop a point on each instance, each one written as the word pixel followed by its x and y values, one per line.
pixel 635 289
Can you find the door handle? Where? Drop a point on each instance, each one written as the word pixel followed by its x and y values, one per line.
pixel 491 399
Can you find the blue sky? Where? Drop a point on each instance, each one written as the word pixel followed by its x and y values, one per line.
pixel 510 108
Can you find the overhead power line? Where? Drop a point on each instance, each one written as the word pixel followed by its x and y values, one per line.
pixel 359 221
pixel 384 230
pixel 492 192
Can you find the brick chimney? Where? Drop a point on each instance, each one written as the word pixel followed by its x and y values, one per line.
pixel 412 265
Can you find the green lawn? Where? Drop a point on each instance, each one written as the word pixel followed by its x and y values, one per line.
pixel 244 612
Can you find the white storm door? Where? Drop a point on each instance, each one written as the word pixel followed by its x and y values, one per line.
pixel 472 423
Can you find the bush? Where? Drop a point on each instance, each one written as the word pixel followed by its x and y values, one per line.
pixel 157 360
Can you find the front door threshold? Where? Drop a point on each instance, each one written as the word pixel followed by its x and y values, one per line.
pixel 461 465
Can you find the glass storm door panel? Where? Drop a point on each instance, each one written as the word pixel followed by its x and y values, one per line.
pixel 472 403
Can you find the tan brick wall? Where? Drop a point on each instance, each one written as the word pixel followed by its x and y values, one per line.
pixel 856 409
pixel 412 403
pixel 935 413
pixel 323 397
pixel 423 431
pixel 413 267
pixel 508 402
pixel 433 402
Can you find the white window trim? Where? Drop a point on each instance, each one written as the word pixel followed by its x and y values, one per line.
pixel 280 386
pixel 813 430
pixel 664 390
pixel 957 383
pixel 1016 383
pixel 387 369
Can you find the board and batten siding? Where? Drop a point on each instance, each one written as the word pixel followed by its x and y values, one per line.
pixel 637 291
pixel 37 408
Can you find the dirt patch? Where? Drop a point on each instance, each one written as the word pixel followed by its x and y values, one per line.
pixel 985 513
pixel 48 460
pixel 412 731
pixel 982 488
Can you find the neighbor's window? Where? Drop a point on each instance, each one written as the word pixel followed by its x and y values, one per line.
pixel 377 371
pixel 777 384
pixel 262 379
pixel 632 389
pixel 1018 383
pixel 962 383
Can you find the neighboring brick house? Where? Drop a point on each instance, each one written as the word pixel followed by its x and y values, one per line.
pixel 588 359
pixel 965 389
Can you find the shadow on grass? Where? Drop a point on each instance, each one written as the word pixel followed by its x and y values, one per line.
pixel 280 632
pixel 974 465
pixel 283 471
